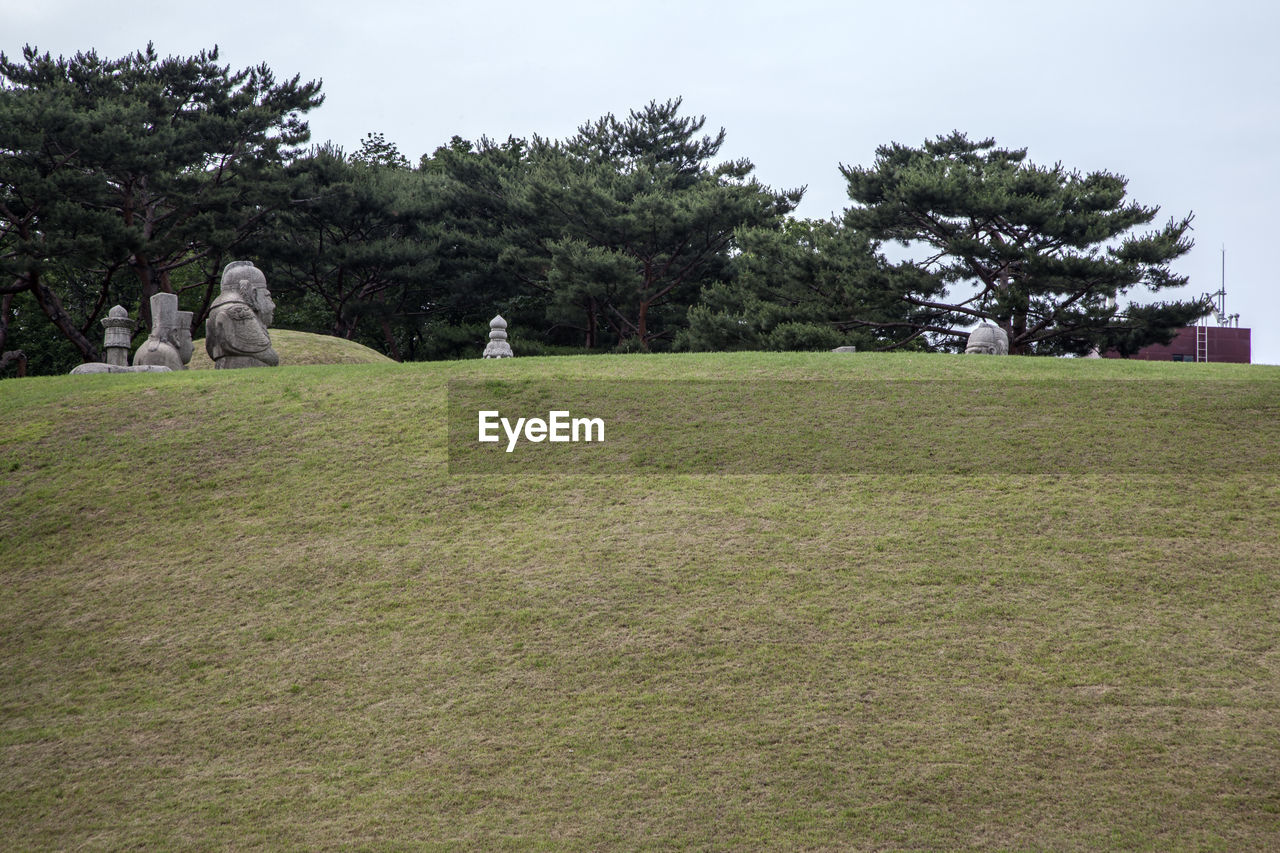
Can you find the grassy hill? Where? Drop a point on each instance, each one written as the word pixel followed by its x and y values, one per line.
pixel 255 608
pixel 298 348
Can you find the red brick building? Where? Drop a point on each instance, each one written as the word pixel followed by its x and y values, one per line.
pixel 1200 343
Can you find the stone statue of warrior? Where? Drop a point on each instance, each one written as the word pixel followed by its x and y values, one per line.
pixel 236 329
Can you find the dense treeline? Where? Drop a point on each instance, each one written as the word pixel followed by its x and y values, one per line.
pixel 123 178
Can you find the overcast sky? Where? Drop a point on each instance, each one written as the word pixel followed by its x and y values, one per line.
pixel 1180 97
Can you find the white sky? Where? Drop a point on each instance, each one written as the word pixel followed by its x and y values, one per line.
pixel 1181 97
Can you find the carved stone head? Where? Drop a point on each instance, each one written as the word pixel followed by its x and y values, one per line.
pixel 246 280
pixel 262 303
pixel 987 340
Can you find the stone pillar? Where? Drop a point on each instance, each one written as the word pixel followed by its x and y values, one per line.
pixel 116 340
pixel 498 346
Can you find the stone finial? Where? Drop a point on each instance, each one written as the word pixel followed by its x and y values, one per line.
pixel 987 340
pixel 498 346
pixel 117 339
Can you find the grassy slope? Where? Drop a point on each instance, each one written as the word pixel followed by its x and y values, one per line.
pixel 296 348
pixel 253 608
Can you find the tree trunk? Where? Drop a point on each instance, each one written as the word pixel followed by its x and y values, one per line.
pixel 18 356
pixel 6 306
pixel 387 334
pixel 146 280
pixel 593 324
pixel 1018 328
pixel 642 326
pixel 344 327
pixel 211 281
pixel 52 307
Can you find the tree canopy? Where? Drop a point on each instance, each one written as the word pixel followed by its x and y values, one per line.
pixel 1042 251
pixel 353 246
pixel 795 288
pixel 121 178
pixel 646 219
pixel 133 168
pixel 608 235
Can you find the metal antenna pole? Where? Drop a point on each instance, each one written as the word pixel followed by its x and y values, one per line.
pixel 1222 304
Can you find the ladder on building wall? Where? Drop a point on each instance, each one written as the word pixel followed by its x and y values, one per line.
pixel 1202 343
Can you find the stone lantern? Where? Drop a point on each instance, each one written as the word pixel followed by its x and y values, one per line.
pixel 498 346
pixel 119 332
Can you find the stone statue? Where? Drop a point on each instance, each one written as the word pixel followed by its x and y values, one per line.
pixel 498 346
pixel 164 347
pixel 236 330
pixel 987 340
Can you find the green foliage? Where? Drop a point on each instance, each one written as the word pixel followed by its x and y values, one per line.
pixel 645 219
pixel 493 252
pixel 1042 251
pixel 123 178
pixel 359 238
pixel 453 340
pixel 118 175
pixel 808 285
pixel 375 150
pixel 606 235
pixel 29 329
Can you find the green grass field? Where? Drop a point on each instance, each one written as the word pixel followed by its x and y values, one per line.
pixel 254 609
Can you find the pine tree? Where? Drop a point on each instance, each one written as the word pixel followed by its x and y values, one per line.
pixel 355 252
pixel 1044 252
pixel 645 219
pixel 494 241
pixel 115 175
pixel 800 287
pixel 375 150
